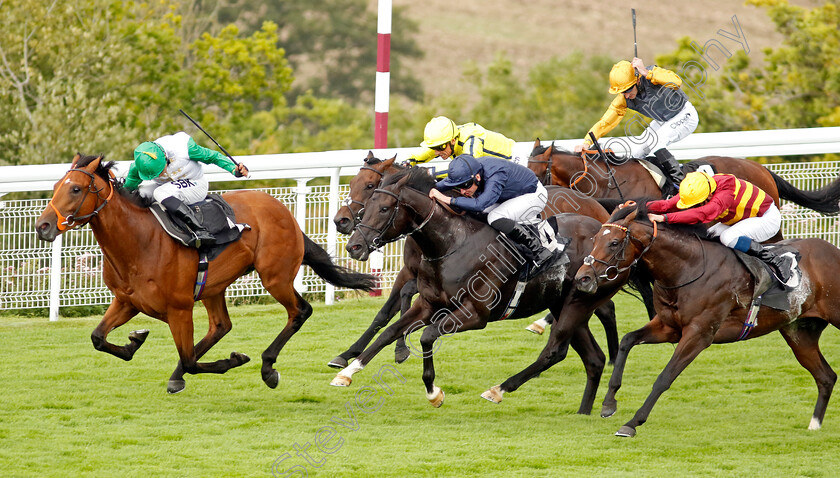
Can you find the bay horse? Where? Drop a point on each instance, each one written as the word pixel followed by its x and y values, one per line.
pixel 149 272
pixel 362 186
pixel 702 295
pixel 592 177
pixel 467 276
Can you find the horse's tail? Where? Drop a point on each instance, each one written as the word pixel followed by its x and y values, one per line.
pixel 825 200
pixel 320 261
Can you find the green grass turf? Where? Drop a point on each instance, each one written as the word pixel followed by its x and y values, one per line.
pixel 68 410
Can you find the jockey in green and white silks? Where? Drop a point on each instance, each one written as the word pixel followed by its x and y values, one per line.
pixel 168 169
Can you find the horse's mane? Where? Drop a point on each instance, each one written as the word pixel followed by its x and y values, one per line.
pixel 415 178
pixel 104 172
pixel 642 216
pixel 541 149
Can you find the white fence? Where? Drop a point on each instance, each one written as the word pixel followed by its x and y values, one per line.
pixel 66 273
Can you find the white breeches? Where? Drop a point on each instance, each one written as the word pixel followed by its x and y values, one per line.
pixel 522 209
pixel 659 135
pixel 756 228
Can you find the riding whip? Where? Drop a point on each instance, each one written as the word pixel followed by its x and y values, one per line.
pixel 211 138
pixel 607 161
pixel 635 45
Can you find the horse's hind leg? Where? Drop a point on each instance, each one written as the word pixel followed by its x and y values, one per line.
pixel 593 361
pixel 219 326
pixel 299 310
pixel 118 313
pixel 803 337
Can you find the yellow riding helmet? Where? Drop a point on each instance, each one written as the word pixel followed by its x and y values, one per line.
pixel 695 188
pixel 439 130
pixel 622 77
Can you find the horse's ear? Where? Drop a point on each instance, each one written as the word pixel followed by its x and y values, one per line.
pixel 537 143
pixel 388 162
pixel 370 157
pixel 93 165
pixel 552 148
pixel 75 160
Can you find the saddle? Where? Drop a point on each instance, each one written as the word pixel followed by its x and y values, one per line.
pixel 769 290
pixel 214 214
pixel 660 178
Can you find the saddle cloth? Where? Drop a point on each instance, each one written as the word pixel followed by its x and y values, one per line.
pixel 214 214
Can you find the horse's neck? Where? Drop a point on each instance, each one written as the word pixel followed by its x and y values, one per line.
pixel 125 232
pixel 442 233
pixel 677 258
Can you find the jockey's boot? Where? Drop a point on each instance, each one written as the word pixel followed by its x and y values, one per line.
pixel 669 165
pixel 781 265
pixel 179 210
pixel 528 237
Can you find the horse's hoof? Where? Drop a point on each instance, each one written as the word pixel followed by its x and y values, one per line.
pixel 273 379
pixel 494 394
pixel 401 354
pixel 607 412
pixel 437 397
pixel 338 362
pixel 175 386
pixel 237 359
pixel 535 328
pixel 138 336
pixel 341 381
pixel 626 431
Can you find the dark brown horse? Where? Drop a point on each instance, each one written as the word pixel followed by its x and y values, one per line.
pixel 468 276
pixel 702 296
pixel 592 177
pixel 405 285
pixel 149 272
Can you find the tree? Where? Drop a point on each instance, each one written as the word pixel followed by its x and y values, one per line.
pixel 107 74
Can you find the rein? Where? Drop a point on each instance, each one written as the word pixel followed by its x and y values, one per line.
pixel 357 216
pixel 547 179
pixel 377 242
pixel 66 222
pixel 702 248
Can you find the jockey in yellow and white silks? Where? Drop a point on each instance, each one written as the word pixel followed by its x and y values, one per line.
pixel 654 92
pixel 443 138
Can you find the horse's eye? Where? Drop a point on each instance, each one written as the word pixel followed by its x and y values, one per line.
pixel 369 186
pixel 614 243
pixel 384 209
pixel 76 189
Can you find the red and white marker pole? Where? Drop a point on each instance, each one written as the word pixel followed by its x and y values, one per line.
pixel 380 107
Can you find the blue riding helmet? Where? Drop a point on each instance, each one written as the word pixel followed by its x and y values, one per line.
pixel 461 170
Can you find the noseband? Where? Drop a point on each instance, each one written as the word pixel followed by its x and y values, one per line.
pixel 377 241
pixel 63 223
pixel 612 269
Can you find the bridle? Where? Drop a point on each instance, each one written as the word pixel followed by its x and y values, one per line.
pixel 377 241
pixel 612 269
pixel 67 222
pixel 546 180
pixel 357 216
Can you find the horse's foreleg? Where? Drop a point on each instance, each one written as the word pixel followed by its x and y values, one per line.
pixel 181 326
pixel 415 318
pixel 606 314
pixel 388 311
pixel 409 290
pixel 444 324
pixel 593 362
pixel 693 341
pixel 219 326
pixel 298 311
pixel 118 313
pixel 654 332
pixel 804 340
